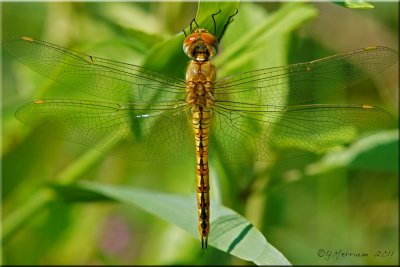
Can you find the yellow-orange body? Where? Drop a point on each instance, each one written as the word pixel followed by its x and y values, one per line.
pixel 200 75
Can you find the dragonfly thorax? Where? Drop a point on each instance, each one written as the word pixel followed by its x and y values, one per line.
pixel 200 45
pixel 200 77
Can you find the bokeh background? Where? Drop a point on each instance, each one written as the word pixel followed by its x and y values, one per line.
pixel 346 199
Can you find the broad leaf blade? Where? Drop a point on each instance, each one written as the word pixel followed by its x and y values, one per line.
pixel 362 155
pixel 230 232
pixel 355 4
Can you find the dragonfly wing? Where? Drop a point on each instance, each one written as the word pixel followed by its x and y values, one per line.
pixel 246 133
pixel 305 82
pixel 100 77
pixel 159 133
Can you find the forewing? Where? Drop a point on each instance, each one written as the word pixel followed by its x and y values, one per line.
pixel 304 82
pixel 100 77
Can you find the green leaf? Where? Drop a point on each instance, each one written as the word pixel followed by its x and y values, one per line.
pixel 74 193
pixel 230 232
pixel 207 9
pixel 355 4
pixel 364 154
pixel 385 144
pixel 285 20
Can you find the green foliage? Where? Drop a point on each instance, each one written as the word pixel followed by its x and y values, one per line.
pixel 231 232
pixel 355 4
pixel 344 199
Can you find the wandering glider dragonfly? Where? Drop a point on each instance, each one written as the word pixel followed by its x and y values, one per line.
pixel 151 116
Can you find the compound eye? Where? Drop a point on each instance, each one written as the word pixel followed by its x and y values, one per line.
pixel 191 39
pixel 188 42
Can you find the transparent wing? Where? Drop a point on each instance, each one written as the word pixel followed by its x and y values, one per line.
pixel 304 82
pixel 250 117
pixel 245 133
pixel 159 133
pixel 100 77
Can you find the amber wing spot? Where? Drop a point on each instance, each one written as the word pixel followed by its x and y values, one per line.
pixel 370 48
pixel 29 39
pixel 40 101
pixel 367 106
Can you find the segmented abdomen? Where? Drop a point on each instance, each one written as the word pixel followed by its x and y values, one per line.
pixel 201 124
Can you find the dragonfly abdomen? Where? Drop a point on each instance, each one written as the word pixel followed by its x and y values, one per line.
pixel 201 123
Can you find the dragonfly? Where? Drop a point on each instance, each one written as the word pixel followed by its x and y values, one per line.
pixel 151 116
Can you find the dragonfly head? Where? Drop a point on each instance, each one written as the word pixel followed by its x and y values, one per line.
pixel 200 45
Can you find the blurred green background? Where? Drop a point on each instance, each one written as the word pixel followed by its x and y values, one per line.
pixel 346 199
